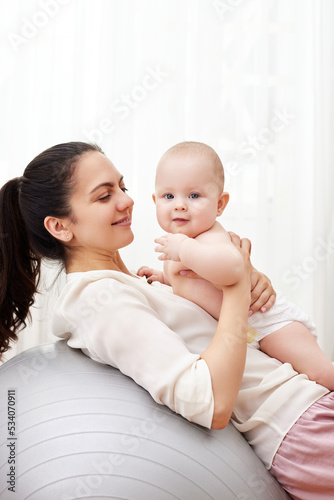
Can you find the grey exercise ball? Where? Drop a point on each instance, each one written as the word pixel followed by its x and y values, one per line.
pixel 72 428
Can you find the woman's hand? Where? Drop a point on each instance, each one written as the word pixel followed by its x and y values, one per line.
pixel 263 295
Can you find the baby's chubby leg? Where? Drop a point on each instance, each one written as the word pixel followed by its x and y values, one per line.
pixel 295 344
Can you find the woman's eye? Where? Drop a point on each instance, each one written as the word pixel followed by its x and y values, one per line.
pixel 105 198
pixel 194 195
pixel 124 189
pixel 169 196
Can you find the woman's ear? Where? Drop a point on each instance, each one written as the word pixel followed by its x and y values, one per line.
pixel 58 228
pixel 222 202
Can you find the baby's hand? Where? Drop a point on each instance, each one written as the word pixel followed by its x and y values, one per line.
pixel 152 274
pixel 169 246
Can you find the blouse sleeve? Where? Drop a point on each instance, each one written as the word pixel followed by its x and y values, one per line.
pixel 113 323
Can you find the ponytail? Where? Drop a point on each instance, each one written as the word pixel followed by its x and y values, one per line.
pixel 19 266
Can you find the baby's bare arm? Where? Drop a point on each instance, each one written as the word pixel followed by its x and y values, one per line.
pixel 153 274
pixel 198 290
pixel 211 255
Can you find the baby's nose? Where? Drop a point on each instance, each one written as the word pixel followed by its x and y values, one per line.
pixel 180 204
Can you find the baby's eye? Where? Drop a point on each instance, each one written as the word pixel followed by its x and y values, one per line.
pixel 194 195
pixel 168 196
pixel 124 189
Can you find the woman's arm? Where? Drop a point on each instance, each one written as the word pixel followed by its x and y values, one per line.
pixel 226 354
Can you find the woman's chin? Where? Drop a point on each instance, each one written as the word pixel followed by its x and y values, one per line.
pixel 129 239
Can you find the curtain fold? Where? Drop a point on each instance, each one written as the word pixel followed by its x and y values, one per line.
pixel 252 79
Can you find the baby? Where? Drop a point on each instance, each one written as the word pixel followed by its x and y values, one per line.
pixel 189 196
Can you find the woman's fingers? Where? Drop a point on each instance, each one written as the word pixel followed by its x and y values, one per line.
pixel 263 295
pixel 246 244
pixel 235 238
pixel 263 303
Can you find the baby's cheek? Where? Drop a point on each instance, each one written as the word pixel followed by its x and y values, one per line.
pixel 163 221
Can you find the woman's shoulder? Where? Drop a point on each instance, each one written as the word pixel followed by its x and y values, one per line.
pixel 85 293
pixel 108 293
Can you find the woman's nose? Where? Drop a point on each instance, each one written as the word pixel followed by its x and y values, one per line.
pixel 125 201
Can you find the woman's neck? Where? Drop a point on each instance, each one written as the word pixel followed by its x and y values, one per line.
pixel 110 263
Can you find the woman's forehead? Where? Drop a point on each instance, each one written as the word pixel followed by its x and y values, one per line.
pixel 93 169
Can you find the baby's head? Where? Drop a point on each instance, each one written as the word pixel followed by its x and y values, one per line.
pixel 189 189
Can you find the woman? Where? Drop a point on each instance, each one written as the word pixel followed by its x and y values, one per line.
pixel 71 205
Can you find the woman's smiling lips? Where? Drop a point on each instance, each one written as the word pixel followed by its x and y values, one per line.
pixel 125 221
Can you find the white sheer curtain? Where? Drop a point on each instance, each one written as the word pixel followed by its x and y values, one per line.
pixel 252 78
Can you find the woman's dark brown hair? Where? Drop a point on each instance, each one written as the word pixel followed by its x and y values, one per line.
pixel 44 190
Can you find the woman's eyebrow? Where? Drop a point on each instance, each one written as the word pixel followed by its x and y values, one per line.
pixel 103 184
pixel 106 184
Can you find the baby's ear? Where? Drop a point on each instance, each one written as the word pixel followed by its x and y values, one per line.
pixel 153 197
pixel 222 202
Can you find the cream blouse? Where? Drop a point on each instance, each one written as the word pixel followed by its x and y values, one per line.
pixel 156 338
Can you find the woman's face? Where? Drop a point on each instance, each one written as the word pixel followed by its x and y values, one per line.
pixel 101 209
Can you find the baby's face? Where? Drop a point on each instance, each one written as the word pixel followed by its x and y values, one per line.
pixel 187 195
